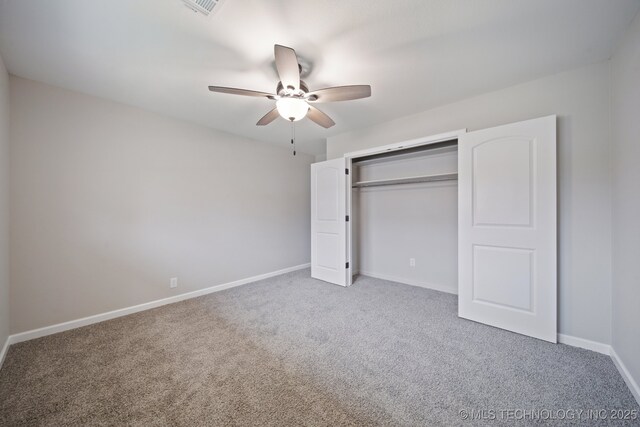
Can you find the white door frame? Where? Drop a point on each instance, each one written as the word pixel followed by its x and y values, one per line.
pixel 427 140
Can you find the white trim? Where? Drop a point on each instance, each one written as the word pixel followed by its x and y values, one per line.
pixel 436 287
pixel 598 347
pixel 626 375
pixel 72 324
pixel 408 144
pixel 5 349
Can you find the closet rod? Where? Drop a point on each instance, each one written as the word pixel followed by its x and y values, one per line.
pixel 410 180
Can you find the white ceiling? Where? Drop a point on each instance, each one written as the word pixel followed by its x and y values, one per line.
pixel 416 54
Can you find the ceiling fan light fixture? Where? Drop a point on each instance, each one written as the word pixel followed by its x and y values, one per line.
pixel 293 99
pixel 292 109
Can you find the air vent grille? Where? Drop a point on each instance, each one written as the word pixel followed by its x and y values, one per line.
pixel 203 6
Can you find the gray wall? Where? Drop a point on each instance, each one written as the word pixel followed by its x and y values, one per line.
pixel 580 99
pixel 4 204
pixel 419 221
pixel 109 201
pixel 626 200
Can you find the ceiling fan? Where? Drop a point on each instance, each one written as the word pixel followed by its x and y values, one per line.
pixel 293 99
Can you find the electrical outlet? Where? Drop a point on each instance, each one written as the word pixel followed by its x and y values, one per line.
pixel 173 282
pixel 412 262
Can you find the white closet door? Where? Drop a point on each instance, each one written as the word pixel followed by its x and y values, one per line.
pixel 328 221
pixel 507 227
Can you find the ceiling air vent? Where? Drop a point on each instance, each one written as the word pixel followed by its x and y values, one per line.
pixel 203 6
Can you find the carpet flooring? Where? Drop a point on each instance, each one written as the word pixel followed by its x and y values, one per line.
pixel 292 350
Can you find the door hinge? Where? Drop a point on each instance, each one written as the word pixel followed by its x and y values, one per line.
pixel 347 266
pixel 347 218
pixel 346 171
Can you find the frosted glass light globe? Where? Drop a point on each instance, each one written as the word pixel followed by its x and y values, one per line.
pixel 292 109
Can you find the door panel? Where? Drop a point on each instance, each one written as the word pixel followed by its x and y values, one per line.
pixel 503 190
pixel 328 224
pixel 327 185
pixel 503 276
pixel 507 227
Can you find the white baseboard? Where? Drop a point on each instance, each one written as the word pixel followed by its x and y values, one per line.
pixel 433 286
pixel 85 321
pixel 3 352
pixel 626 375
pixel 598 347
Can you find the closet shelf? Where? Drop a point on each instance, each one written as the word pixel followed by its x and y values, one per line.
pixel 409 180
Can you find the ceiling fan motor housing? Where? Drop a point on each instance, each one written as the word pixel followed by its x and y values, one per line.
pixel 282 91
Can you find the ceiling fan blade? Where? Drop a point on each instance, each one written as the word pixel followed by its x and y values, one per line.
pixel 287 66
pixel 320 118
pixel 243 92
pixel 268 118
pixel 339 93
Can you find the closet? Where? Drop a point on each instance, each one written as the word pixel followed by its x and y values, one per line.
pixel 404 210
pixel 472 212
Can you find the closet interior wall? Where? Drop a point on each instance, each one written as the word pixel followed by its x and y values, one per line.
pixel 393 224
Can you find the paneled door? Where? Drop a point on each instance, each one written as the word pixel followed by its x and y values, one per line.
pixel 328 222
pixel 507 227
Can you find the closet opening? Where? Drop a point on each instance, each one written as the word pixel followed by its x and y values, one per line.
pixel 472 213
pixel 404 215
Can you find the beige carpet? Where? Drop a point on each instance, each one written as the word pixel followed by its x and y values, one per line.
pixel 295 351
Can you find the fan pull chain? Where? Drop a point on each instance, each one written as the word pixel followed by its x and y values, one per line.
pixel 293 136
